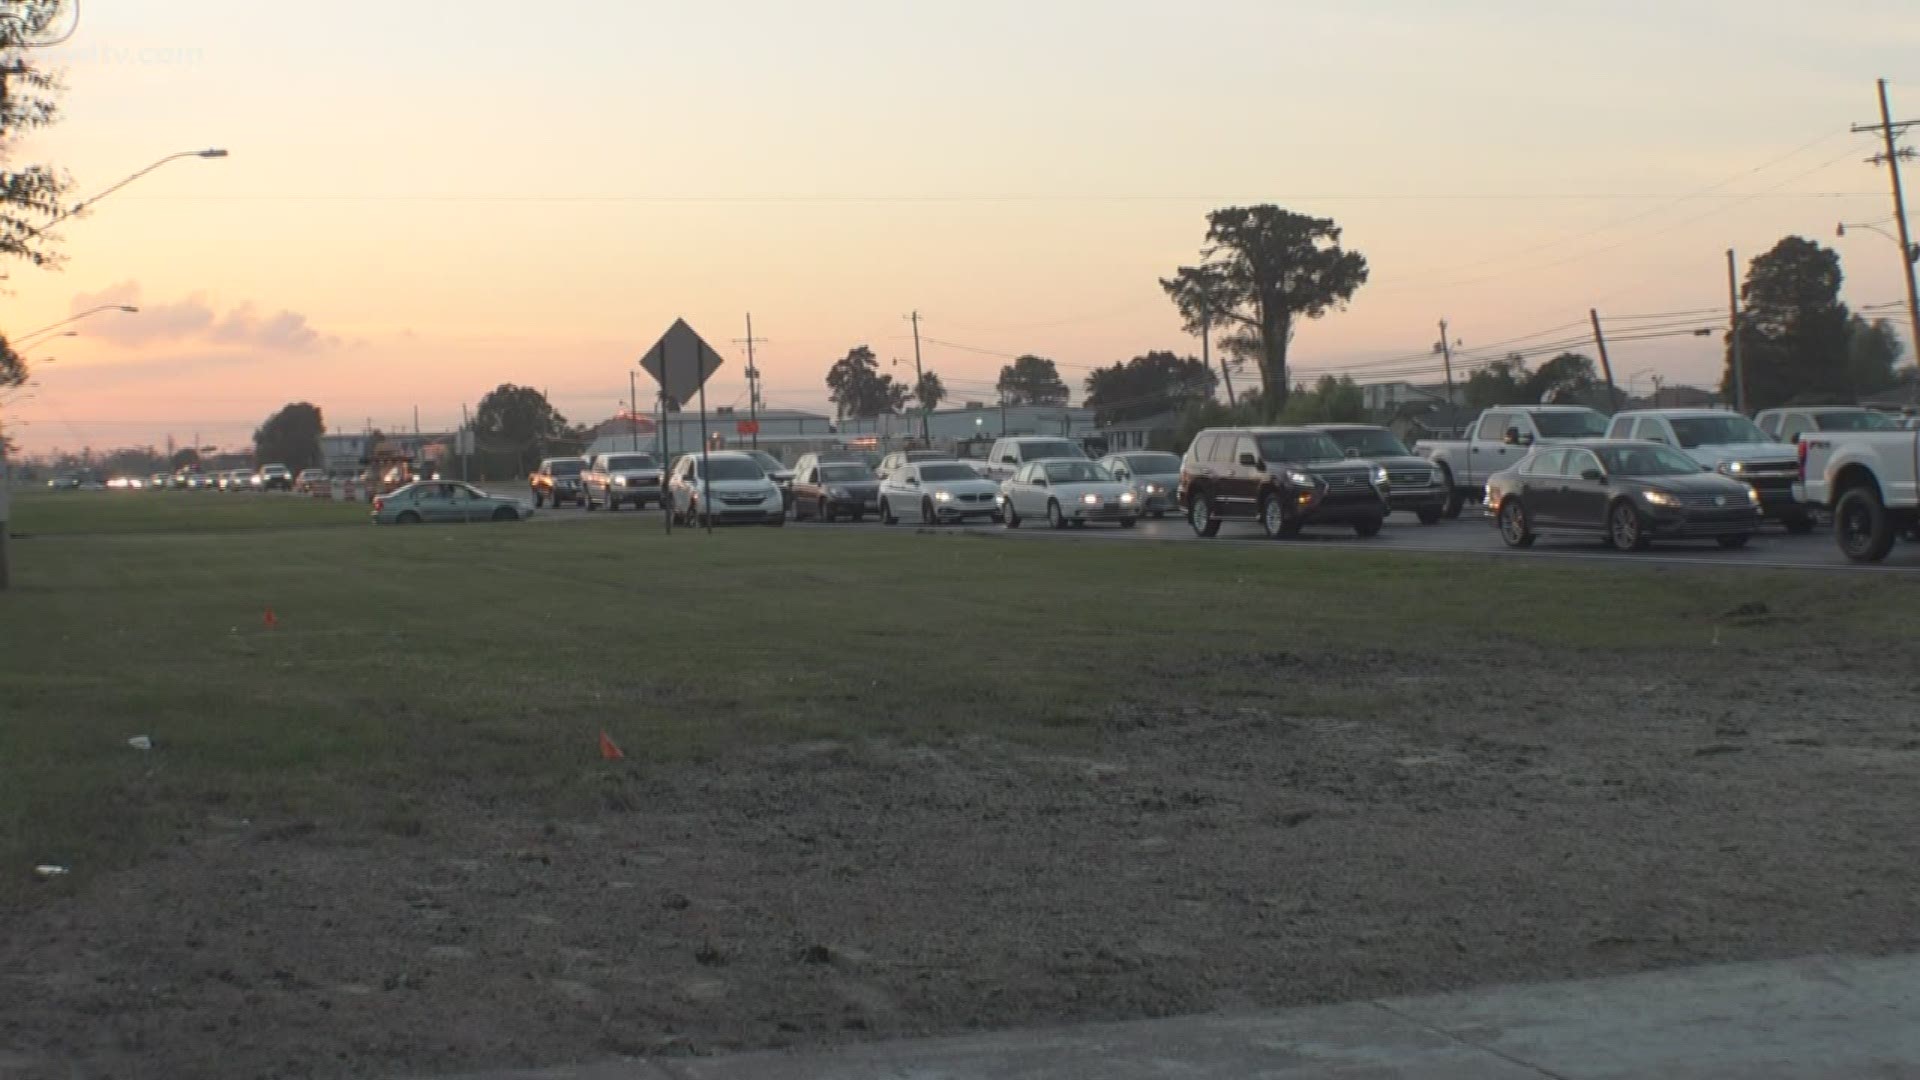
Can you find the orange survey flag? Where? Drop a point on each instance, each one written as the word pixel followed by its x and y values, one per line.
pixel 271 619
pixel 608 750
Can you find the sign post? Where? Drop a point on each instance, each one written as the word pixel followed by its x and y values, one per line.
pixel 682 363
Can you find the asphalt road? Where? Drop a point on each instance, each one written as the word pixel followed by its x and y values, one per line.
pixel 1472 534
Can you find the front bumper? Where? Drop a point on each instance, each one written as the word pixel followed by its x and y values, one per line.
pixel 1690 524
pixel 966 511
pixel 1350 510
pixel 1428 498
pixel 1105 512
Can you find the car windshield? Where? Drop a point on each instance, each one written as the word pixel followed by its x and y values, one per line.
pixel 845 474
pixel 630 461
pixel 1863 420
pixel 1298 446
pixel 767 461
pixel 1578 424
pixel 735 469
pixel 1725 430
pixel 1153 464
pixel 1075 472
pixel 567 468
pixel 1647 461
pixel 1050 448
pixel 1370 442
pixel 954 471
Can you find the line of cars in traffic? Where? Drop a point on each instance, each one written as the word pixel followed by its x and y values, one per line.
pixel 265 478
pixel 1630 479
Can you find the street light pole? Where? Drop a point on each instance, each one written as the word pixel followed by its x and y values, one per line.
pixel 85 204
pixel 1892 156
pixel 1733 330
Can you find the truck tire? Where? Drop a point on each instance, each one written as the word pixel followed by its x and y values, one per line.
pixel 1455 499
pixel 1273 517
pixel 1798 524
pixel 1862 526
pixel 1368 529
pixel 537 499
pixel 1430 515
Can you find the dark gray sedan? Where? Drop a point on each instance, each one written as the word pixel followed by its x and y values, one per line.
pixel 1628 492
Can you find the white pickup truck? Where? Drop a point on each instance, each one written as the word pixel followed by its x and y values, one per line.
pixel 1867 479
pixel 1498 440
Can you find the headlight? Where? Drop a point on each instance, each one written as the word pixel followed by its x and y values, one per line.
pixel 1753 495
pixel 943 496
pixel 1126 499
pixel 1733 468
pixel 1379 474
pixel 1299 479
pixel 1661 498
pixel 839 493
pixel 619 481
pixel 1090 500
pixel 1154 489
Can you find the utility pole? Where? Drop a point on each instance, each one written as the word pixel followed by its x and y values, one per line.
pixel 1733 330
pixel 633 408
pixel 466 433
pixel 1446 350
pixel 1892 156
pixel 919 377
pixel 753 381
pixel 1606 364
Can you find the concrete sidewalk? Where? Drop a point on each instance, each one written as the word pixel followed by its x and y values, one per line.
pixel 1825 1018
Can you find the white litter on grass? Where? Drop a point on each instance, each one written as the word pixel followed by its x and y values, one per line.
pixel 140 742
pixel 48 871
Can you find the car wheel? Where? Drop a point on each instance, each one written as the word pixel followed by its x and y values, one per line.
pixel 1625 530
pixel 1861 526
pixel 505 513
pixel 1273 517
pixel 1515 528
pixel 1200 516
pixel 1799 524
pixel 779 522
pixel 588 499
pixel 1128 523
pixel 1055 518
pixel 1430 516
pixel 926 512
pixel 1737 541
pixel 1011 517
pixel 886 514
pixel 407 517
pixel 1158 514
pixel 538 500
pixel 1451 509
pixel 1368 529
pixel 824 511
pixel 613 504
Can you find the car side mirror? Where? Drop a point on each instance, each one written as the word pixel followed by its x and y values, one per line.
pixel 1353 451
pixel 1039 481
pixel 1594 476
pixel 1249 461
pixel 1512 437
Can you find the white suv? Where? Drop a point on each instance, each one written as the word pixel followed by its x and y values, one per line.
pixel 1009 454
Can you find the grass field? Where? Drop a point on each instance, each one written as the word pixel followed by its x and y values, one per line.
pixel 486 660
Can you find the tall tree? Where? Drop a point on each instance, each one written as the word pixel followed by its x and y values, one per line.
pixel 1265 268
pixel 1032 380
pixel 29 195
pixel 1873 356
pixel 857 388
pixel 517 422
pixel 1794 335
pixel 1567 379
pixel 1157 382
pixel 291 437
pixel 1502 382
pixel 185 457
pixel 930 391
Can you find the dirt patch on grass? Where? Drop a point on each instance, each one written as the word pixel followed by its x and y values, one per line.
pixel 1490 822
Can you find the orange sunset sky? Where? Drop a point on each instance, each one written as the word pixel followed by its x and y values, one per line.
pixel 426 199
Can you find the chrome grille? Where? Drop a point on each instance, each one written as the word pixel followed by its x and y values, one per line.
pixel 1411 478
pixel 1715 502
pixel 1346 481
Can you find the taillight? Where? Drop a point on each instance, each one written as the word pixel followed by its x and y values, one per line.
pixel 379 505
pixel 1800 451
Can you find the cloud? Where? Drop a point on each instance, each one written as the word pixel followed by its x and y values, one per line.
pixel 195 319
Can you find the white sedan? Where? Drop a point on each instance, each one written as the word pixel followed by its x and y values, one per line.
pixel 936 492
pixel 1065 491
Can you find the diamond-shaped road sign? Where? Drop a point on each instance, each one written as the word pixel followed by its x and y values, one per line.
pixel 681 363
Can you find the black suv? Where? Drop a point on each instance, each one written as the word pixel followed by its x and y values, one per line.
pixel 1284 478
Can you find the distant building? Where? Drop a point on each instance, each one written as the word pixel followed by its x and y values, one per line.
pixel 1396 397
pixel 1142 433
